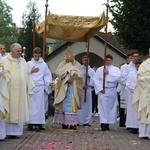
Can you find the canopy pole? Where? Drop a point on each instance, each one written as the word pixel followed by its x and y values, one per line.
pixel 44 36
pixel 105 47
pixel 33 23
pixel 85 93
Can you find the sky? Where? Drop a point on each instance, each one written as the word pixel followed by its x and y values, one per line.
pixel 66 7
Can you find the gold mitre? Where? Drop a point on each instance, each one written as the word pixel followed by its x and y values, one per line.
pixel 69 55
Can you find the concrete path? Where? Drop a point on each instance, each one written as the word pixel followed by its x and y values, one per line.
pixel 85 138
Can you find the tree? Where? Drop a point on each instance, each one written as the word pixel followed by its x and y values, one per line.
pixel 132 23
pixel 57 44
pixel 29 19
pixel 8 29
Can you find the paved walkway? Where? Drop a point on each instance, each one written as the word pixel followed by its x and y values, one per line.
pixel 85 138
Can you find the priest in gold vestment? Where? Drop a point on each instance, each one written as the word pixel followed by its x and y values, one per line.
pixel 68 90
pixel 4 103
pixel 141 99
pixel 19 84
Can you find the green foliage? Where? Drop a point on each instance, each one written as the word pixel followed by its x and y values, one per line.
pixel 57 44
pixel 29 19
pixel 132 23
pixel 8 29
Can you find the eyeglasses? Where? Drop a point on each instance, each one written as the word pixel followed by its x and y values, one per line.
pixel 2 48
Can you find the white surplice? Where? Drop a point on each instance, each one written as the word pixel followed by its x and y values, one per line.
pixel 132 116
pixel 41 79
pixel 2 130
pixel 85 113
pixel 125 72
pixel 14 129
pixel 107 102
pixel 144 130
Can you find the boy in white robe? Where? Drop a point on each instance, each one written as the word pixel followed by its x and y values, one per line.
pixel 42 78
pixel 132 118
pixel 122 95
pixel 107 96
pixel 85 113
pixel 124 74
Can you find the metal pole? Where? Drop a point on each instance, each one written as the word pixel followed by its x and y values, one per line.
pixel 24 50
pixel 85 92
pixel 33 15
pixel 44 36
pixel 105 47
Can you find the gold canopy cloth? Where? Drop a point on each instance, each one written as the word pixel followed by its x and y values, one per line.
pixel 71 28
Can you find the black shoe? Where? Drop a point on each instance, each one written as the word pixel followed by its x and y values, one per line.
pixel 107 127
pixel 87 125
pixel 129 129
pixel 104 127
pixel 41 127
pixel 73 127
pixel 37 129
pixel 146 138
pixel 134 131
pixel 64 126
pixel 30 127
pixel 12 137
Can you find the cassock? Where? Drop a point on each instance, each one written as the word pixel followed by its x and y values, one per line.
pixel 107 102
pixel 19 84
pixel 122 100
pixel 121 89
pixel 41 79
pixel 85 113
pixel 141 98
pixel 132 117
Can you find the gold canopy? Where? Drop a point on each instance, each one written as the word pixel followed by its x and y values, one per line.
pixel 71 28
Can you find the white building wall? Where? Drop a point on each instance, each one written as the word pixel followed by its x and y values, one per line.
pixel 80 47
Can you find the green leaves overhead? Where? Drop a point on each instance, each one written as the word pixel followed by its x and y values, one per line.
pixel 132 23
pixel 8 29
pixel 30 17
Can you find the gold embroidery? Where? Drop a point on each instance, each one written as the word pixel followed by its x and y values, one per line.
pixel 57 86
pixel 71 28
